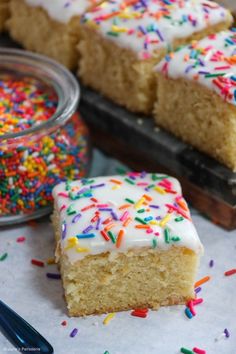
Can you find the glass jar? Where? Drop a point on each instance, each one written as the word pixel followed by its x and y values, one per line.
pixel 34 160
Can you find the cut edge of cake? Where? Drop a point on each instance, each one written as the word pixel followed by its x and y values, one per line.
pixel 110 282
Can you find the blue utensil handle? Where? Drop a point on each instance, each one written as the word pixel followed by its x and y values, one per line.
pixel 20 333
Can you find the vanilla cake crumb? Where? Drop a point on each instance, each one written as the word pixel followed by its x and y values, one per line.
pixel 50 27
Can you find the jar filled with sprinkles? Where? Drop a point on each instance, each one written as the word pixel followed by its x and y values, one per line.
pixel 43 139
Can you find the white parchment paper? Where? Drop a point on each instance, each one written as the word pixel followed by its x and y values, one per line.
pixel 39 300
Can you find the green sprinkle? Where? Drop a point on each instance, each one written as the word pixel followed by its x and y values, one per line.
pixel 114 34
pixel 154 243
pixel 167 235
pixel 129 181
pixel 106 352
pixel 68 185
pixel 121 171
pixel 15 197
pixel 129 200
pixel 4 256
pixel 72 196
pixel 186 351
pixel 214 75
pixel 180 218
pixel 141 211
pixel 140 220
pixel 70 210
pixel 112 236
pixel 175 238
pixel 179 48
pixel 158 178
pixel 87 181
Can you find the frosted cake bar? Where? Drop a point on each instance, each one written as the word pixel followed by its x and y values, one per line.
pixel 196 96
pixel 124 242
pixel 122 40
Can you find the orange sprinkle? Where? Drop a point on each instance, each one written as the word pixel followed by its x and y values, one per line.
pixel 115 181
pixel 109 227
pixel 182 204
pixel 107 221
pixel 142 226
pixel 125 206
pixel 127 221
pixel 202 281
pixel 147 197
pixel 119 238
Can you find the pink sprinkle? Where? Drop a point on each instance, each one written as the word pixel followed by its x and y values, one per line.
pixel 191 308
pixel 197 301
pixel 223 67
pixel 20 239
pixel 165 183
pixel 62 207
pixel 124 216
pixel 62 194
pixel 149 231
pixel 64 323
pixel 199 351
pixel 130 31
pixel 146 55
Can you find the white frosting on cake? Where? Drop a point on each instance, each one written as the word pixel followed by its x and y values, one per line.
pixel 148 25
pixel 63 10
pixel 211 62
pixel 163 216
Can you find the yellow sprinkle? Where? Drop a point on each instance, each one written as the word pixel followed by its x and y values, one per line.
pixel 71 242
pixel 165 220
pixel 119 29
pixel 108 318
pixel 154 222
pixel 82 249
pixel 160 190
pixel 51 261
pixel 115 187
pixel 139 203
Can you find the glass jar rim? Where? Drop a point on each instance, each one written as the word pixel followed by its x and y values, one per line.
pixel 61 79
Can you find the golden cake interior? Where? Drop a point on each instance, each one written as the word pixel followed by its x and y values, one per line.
pixel 36 31
pixel 204 120
pixel 119 74
pixel 138 278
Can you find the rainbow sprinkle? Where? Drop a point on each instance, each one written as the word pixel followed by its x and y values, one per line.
pixel 108 318
pixel 74 332
pixel 24 103
pixel 3 256
pixel 211 62
pixel 32 165
pixel 147 25
pixel 95 218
